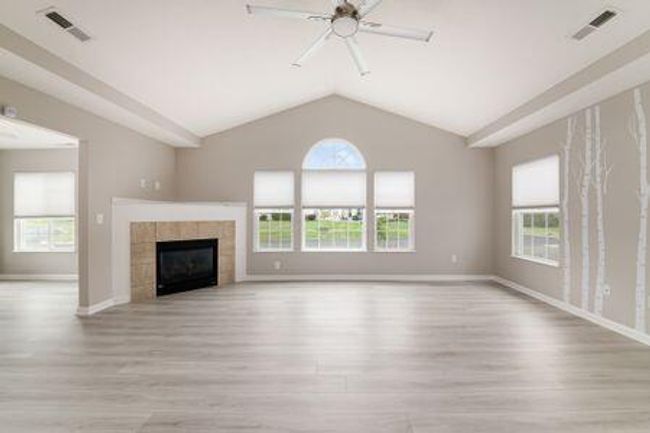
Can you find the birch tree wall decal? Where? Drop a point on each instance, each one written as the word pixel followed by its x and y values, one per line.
pixel 601 174
pixel 640 134
pixel 566 232
pixel 584 200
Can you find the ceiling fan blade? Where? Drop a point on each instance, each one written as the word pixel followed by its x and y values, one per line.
pixel 357 56
pixel 287 13
pixel 397 32
pixel 318 43
pixel 367 6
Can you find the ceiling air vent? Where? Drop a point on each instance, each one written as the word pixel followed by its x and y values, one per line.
pixel 595 24
pixel 56 17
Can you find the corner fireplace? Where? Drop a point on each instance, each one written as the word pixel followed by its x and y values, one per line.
pixel 186 265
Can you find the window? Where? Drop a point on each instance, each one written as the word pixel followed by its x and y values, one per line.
pixel 334 154
pixel 334 229
pixel 334 198
pixel 44 212
pixel 535 212
pixel 273 214
pixel 394 210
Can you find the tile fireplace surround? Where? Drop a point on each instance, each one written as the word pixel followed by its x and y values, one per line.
pixel 144 236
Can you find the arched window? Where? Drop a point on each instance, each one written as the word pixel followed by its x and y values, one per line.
pixel 334 154
pixel 334 197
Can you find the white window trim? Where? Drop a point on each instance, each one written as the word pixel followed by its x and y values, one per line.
pixel 17 235
pixel 411 247
pixel 16 218
pixel 364 232
pixel 531 210
pixel 256 239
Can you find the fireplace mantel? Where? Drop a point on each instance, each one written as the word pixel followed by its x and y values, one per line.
pixel 128 211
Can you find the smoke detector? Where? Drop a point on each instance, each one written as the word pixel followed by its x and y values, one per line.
pixel 63 22
pixel 596 23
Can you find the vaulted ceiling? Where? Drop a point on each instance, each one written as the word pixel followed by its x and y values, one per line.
pixel 208 66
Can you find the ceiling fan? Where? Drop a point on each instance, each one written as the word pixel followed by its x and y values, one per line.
pixel 347 20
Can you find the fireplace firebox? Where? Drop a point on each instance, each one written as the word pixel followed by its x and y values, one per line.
pixel 186 265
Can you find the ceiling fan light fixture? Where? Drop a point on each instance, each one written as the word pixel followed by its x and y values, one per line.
pixel 345 26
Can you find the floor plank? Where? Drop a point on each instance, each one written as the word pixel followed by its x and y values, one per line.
pixel 315 357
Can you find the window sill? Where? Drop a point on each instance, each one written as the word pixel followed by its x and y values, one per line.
pixel 394 251
pixel 334 251
pixel 537 261
pixel 273 251
pixel 43 252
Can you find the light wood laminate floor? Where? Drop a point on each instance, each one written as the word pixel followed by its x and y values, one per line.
pixel 315 357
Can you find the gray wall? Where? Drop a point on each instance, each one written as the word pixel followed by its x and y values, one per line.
pixel 621 208
pixel 454 185
pixel 12 161
pixel 112 161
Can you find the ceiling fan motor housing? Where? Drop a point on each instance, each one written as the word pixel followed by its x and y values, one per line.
pixel 345 22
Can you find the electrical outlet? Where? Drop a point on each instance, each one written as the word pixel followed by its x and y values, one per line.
pixel 156 185
pixel 454 258
pixel 143 183
pixel 277 265
pixel 607 291
pixel 99 218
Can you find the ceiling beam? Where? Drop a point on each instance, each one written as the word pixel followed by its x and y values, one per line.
pixel 572 94
pixel 29 51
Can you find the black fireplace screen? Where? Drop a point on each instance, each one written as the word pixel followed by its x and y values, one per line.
pixel 186 265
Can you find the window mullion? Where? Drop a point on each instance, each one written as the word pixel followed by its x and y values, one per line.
pixel 347 229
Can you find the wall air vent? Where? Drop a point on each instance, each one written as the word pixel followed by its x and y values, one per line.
pixel 60 20
pixel 595 24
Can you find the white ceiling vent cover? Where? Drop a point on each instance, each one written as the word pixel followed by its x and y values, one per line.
pixel 57 18
pixel 603 18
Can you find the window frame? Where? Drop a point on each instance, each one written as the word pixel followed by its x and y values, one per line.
pixel 536 207
pixel 546 210
pixel 361 167
pixel 256 231
pixel 364 231
pixel 17 219
pixel 50 220
pixel 282 206
pixel 411 247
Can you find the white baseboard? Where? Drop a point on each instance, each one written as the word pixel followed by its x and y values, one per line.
pixel 572 309
pixel 96 308
pixel 367 277
pixel 38 277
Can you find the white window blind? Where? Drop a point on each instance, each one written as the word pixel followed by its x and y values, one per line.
pixel 274 189
pixel 394 189
pixel 536 183
pixel 333 189
pixel 44 194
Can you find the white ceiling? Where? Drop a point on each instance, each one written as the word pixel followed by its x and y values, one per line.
pixel 16 134
pixel 209 66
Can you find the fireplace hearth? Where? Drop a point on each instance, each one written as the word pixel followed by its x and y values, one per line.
pixel 186 265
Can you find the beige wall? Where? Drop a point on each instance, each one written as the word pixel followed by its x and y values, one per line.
pixel 453 184
pixel 112 161
pixel 620 211
pixel 12 161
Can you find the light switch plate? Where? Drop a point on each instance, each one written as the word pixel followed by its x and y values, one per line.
pixel 277 265
pixel 143 183
pixel 99 218
pixel 156 185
